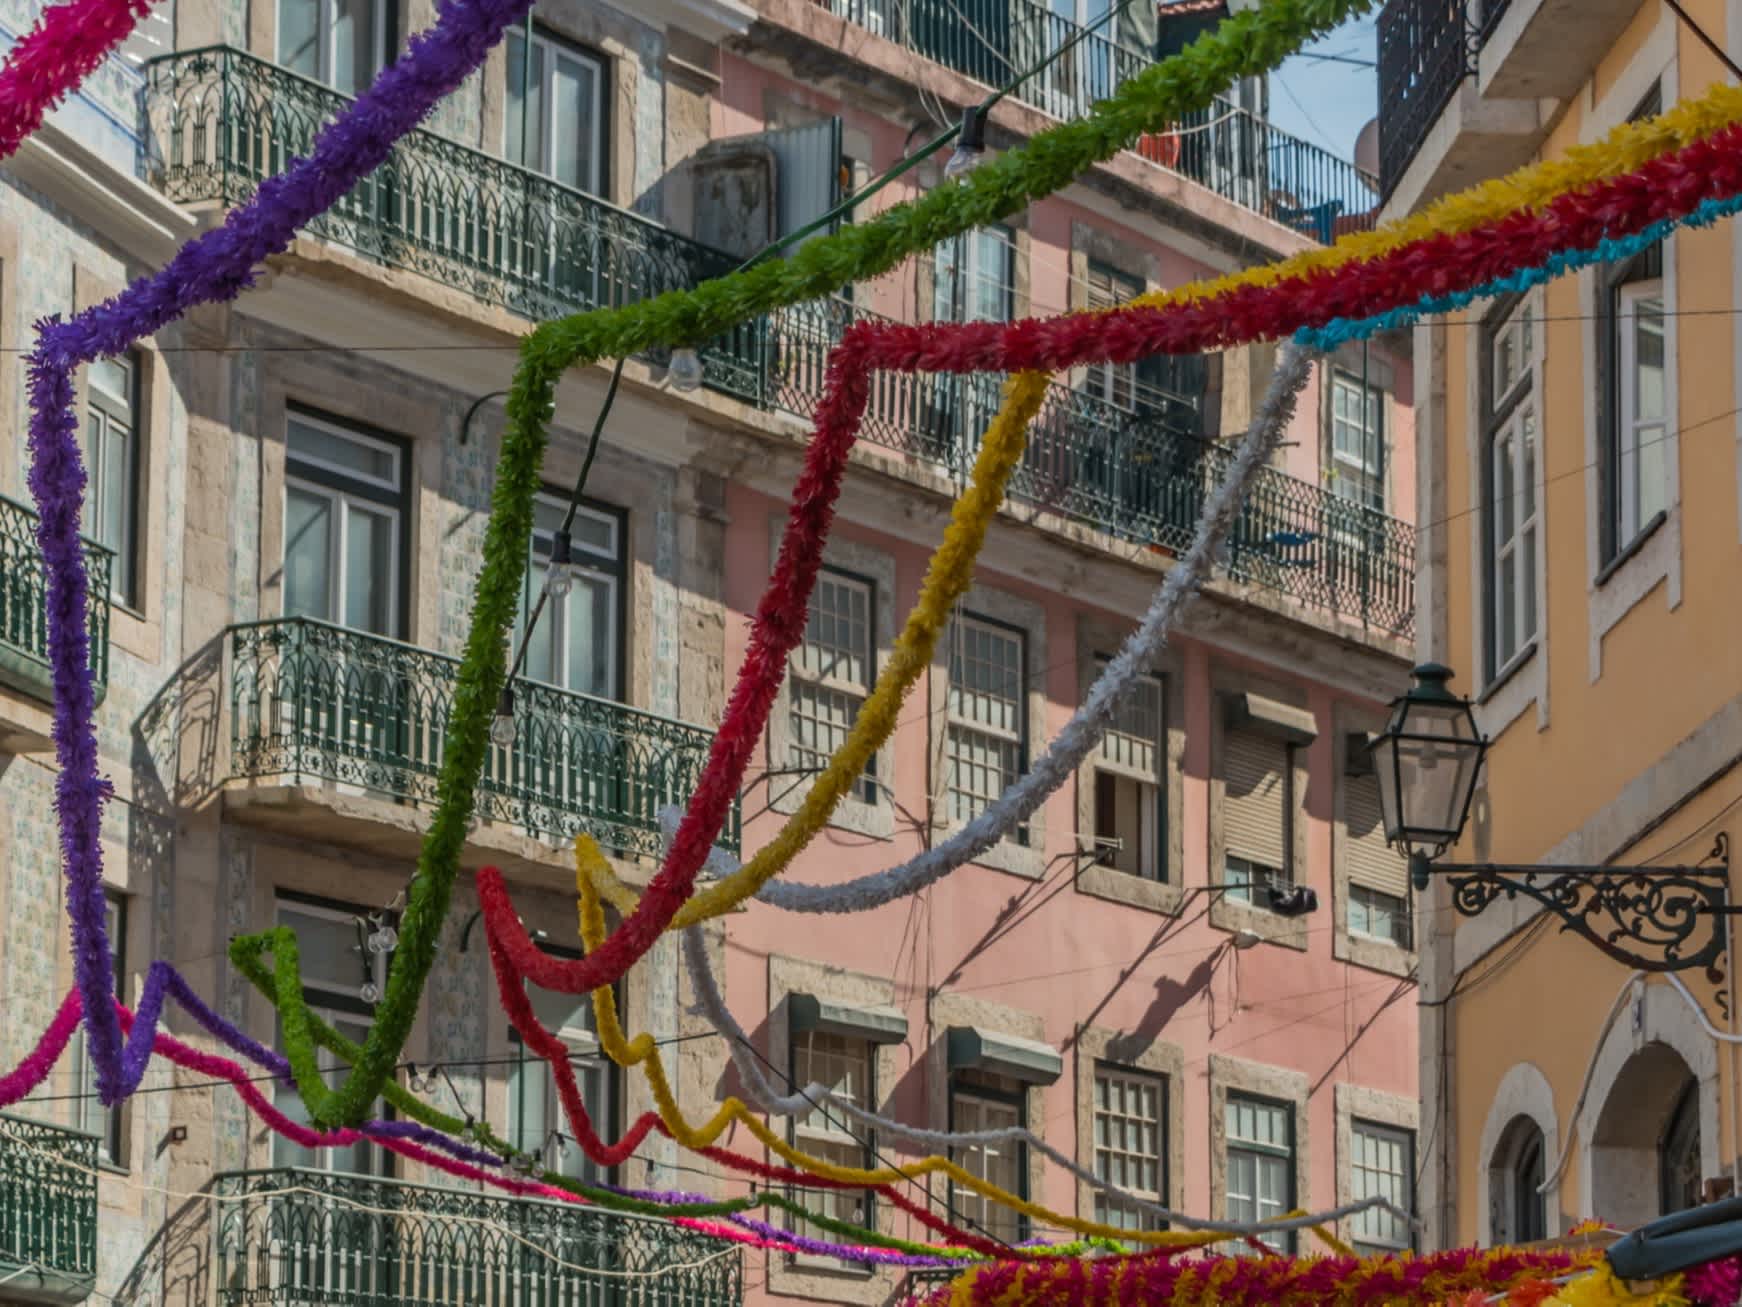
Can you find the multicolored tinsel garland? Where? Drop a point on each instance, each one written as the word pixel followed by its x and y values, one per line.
pixel 213 267
pixel 49 61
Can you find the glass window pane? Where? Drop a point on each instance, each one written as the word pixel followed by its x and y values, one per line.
pixel 308 531
pixel 299 26
pixel 573 122
pixel 591 623
pixel 369 571
pixel 329 449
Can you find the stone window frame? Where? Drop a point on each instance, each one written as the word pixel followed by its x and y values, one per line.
pixel 1098 1046
pixel 952 1009
pixel 1232 914
pixel 1523 1092
pixel 1347 946
pixel 1027 860
pixel 787 793
pixel 1236 1075
pixel 1360 1103
pixel 816 1278
pixel 1097 637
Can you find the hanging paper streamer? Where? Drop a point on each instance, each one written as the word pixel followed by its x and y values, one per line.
pixel 49 61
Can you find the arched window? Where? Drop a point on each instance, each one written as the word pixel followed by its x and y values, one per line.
pixel 1516 1173
pixel 1678 1154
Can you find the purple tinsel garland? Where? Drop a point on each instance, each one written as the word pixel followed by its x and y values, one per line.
pixel 216 266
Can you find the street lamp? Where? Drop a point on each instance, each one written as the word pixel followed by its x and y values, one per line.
pixel 1427 761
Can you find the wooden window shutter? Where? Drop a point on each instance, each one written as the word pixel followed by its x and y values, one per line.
pixel 1255 798
pixel 1371 862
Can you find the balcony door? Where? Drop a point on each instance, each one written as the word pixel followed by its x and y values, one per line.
pixel 1068 86
pixel 340 692
pixel 339 43
pixel 973 280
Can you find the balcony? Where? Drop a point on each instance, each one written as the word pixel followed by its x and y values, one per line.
pixel 1236 154
pixel 222 121
pixel 316 701
pixel 23 614
pixel 312 1237
pixel 48 1212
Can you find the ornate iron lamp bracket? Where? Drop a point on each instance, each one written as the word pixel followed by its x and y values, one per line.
pixel 1651 918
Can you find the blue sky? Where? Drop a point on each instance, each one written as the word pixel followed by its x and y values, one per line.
pixel 1324 101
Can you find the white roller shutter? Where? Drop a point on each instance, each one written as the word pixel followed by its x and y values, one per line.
pixel 1255 797
pixel 1371 862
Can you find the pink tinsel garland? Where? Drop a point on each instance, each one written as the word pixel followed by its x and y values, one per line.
pixel 49 61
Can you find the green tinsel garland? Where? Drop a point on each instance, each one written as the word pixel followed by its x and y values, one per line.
pixel 1245 45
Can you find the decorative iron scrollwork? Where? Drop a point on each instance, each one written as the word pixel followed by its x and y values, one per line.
pixel 1652 918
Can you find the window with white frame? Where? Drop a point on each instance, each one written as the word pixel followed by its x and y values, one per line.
pixel 111 451
pixel 89 1114
pixel 1510 444
pixel 1357 440
pixel 1114 383
pixel 847 1067
pixel 1381 1165
pixel 344 510
pixel 832 672
pixel 981 1102
pixel 578 642
pixel 1260 1163
pixel 1130 1145
pixel 537 1124
pixel 1130 793
pixel 1636 469
pixel 987 711
pixel 1257 814
pixel 342 980
pixel 341 43
pixel 974 276
pixel 557 127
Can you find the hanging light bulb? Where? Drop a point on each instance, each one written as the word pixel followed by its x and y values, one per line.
pixel 370 993
pixel 559 577
pixel 383 940
pixel 502 728
pixel 685 370
pixel 970 151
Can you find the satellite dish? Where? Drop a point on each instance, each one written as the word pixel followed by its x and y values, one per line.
pixel 1367 149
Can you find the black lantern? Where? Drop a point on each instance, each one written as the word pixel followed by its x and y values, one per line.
pixel 1426 761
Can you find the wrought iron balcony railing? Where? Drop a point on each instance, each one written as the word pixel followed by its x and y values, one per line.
pixel 1235 153
pixel 48 1212
pixel 309 699
pixel 1426 50
pixel 222 120
pixel 23 613
pixel 313 1237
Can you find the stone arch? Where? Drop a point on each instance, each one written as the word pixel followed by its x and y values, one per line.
pixel 1523 1100
pixel 1645 1065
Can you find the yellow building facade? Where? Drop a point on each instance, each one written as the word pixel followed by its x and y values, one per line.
pixel 1581 502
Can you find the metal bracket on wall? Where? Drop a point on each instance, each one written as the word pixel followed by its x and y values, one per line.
pixel 1651 918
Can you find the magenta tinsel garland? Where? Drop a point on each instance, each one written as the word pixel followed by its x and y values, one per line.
pixel 213 267
pixel 52 58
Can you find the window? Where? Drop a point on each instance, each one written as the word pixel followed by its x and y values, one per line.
pixel 973 276
pixel 342 43
pixel 832 672
pixel 1114 383
pixel 558 129
pixel 1076 77
pixel 341 982
pixel 1260 1143
pixel 1381 1165
pixel 1130 801
pixel 112 468
pixel 848 1067
pixel 1678 1155
pixel 89 1114
pixel 1257 814
pixel 1518 1210
pixel 1357 441
pixel 979 1102
pixel 1509 347
pixel 343 517
pixel 578 642
pixel 1130 1145
pixel 536 1123
pixel 1635 467
pixel 987 710
pixel 1378 875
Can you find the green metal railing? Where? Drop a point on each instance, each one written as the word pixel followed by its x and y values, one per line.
pixel 23 611
pixel 221 120
pixel 358 1241
pixel 48 1212
pixel 311 699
